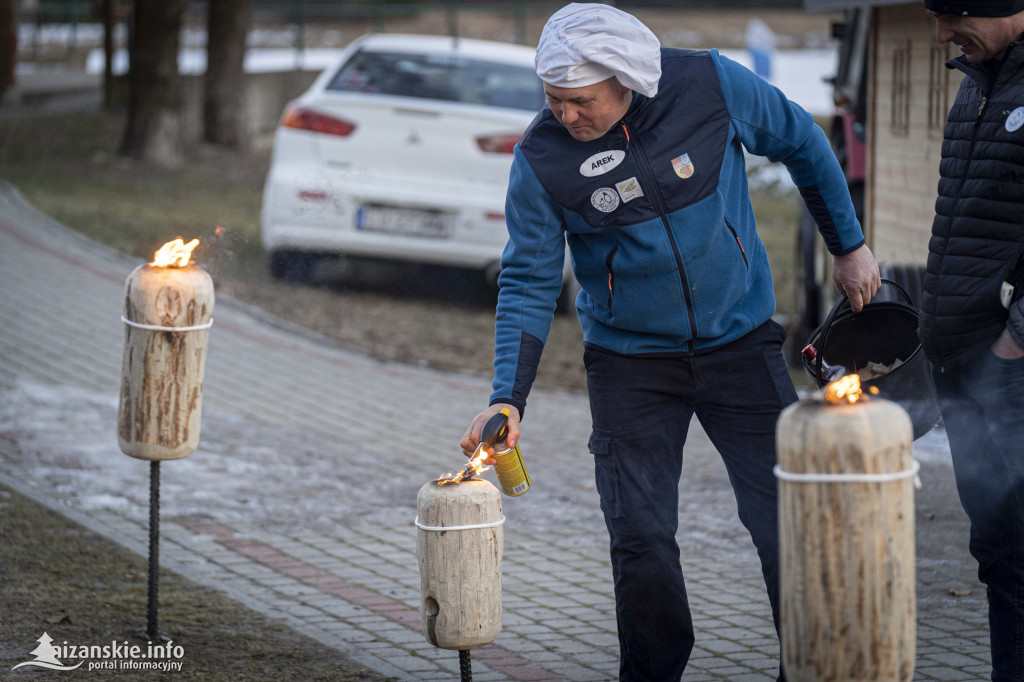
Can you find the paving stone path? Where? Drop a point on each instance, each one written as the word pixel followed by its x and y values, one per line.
pixel 301 497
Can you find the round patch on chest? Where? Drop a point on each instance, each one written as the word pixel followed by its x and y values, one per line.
pixel 1015 120
pixel 605 199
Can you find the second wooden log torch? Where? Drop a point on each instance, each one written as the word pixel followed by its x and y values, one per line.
pixel 168 311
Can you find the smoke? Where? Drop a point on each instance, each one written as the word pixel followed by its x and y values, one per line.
pixel 218 248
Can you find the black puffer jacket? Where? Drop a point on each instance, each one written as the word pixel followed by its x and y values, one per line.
pixel 977 238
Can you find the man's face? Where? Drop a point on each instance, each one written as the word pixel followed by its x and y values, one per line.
pixel 979 38
pixel 589 112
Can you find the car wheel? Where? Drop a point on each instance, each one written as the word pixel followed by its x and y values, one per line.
pixel 292 266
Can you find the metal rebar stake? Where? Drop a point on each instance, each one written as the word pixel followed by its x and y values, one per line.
pixel 465 665
pixel 154 548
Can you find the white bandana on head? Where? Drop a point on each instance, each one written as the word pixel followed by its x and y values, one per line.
pixel 583 44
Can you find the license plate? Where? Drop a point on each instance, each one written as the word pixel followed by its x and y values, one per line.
pixel 404 221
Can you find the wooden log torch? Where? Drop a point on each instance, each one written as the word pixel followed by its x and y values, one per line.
pixel 459 543
pixel 846 542
pixel 168 310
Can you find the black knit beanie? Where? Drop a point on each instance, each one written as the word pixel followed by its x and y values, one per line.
pixel 975 8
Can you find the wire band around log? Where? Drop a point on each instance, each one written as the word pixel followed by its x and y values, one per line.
pixel 915 467
pixel 157 328
pixel 470 527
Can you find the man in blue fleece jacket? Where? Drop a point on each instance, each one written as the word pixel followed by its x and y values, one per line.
pixel 638 165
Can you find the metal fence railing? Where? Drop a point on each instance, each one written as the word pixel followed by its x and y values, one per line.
pixel 518 21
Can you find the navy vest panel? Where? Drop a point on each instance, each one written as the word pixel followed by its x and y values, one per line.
pixel 665 154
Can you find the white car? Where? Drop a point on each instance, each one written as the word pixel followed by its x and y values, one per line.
pixel 400 151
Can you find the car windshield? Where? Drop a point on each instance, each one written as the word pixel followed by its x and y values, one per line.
pixel 441 77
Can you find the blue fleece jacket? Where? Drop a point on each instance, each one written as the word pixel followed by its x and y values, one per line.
pixel 658 220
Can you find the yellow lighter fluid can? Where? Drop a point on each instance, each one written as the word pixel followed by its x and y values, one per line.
pixel 509 467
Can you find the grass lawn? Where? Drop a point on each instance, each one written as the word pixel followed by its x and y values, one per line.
pixel 57 576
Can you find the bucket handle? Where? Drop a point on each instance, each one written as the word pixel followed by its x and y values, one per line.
pixel 827 325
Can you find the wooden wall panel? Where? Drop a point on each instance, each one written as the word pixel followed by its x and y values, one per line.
pixel 903 160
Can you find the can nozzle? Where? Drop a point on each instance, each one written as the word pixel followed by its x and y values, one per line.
pixel 508 461
pixel 495 429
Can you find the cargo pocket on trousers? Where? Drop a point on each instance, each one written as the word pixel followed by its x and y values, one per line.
pixel 606 473
pixel 778 371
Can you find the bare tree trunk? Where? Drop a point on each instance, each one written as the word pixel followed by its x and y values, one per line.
pixel 109 11
pixel 8 45
pixel 224 119
pixel 153 132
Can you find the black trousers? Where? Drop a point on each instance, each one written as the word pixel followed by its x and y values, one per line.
pixel 982 403
pixel 641 410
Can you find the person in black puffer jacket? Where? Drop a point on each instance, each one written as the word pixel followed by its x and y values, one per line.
pixel 972 313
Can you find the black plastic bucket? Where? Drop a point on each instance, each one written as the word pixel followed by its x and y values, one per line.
pixel 883 332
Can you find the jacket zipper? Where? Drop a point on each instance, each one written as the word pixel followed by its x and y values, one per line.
pixel 743 252
pixel 659 206
pixel 609 257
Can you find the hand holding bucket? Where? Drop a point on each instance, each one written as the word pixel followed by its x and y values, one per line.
pixel 882 332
